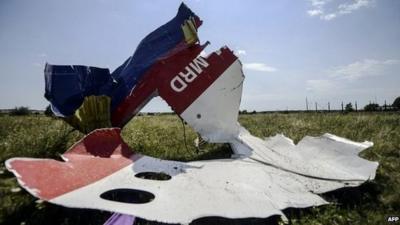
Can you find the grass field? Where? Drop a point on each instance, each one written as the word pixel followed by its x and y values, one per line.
pixel 162 136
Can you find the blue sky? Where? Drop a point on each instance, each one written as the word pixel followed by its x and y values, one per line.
pixel 325 50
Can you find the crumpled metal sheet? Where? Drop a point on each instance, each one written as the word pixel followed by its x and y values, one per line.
pixel 262 178
pixel 327 157
pixel 232 188
pixel 214 116
pixel 68 85
pixel 323 163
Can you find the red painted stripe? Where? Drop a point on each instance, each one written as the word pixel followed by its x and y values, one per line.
pixel 98 155
pixel 158 79
pixel 162 70
pixel 179 101
pixel 133 103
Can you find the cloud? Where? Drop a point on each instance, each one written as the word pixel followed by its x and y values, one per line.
pixel 241 52
pixel 347 8
pixel 342 79
pixel 259 67
pixel 315 12
pixel 363 68
pixel 319 3
pixel 323 85
pixel 327 10
pixel 329 16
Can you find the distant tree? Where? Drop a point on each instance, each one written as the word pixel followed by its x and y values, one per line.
pixel 48 111
pixel 371 107
pixel 396 103
pixel 349 107
pixel 243 112
pixel 254 112
pixel 20 111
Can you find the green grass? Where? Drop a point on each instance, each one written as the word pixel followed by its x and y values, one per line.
pixel 163 137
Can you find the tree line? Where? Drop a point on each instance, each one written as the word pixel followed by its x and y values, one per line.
pixel 371 107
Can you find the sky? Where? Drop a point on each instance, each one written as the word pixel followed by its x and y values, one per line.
pixel 323 50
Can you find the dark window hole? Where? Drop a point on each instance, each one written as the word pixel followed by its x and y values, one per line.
pixel 128 196
pixel 153 176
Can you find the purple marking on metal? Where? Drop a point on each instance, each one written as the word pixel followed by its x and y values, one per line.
pixel 120 219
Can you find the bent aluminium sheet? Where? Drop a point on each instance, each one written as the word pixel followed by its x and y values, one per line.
pixel 106 175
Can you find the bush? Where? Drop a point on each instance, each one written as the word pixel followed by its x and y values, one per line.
pixel 349 107
pixel 20 111
pixel 371 107
pixel 48 111
pixel 396 103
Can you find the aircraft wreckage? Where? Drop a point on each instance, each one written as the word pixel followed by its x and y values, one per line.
pixel 100 171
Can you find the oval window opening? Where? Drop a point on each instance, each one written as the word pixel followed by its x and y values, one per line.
pixel 128 196
pixel 153 176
